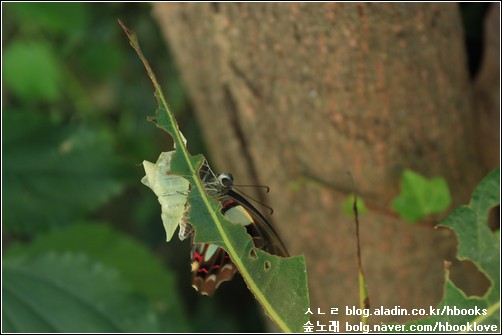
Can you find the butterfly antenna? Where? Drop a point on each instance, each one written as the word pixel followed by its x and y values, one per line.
pixel 267 189
pixel 251 198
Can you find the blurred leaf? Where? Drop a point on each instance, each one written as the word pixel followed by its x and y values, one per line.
pixel 175 89
pixel 209 316
pixel 69 293
pixel 102 59
pixel 135 263
pixel 421 196
pixel 303 181
pixel 348 205
pixel 53 174
pixel 55 17
pixel 31 71
pixel 477 243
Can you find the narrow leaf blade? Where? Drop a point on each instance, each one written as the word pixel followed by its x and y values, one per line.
pixel 282 289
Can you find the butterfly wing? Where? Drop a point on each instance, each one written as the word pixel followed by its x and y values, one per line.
pixel 211 265
pixel 264 235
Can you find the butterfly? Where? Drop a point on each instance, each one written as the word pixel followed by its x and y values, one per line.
pixel 211 265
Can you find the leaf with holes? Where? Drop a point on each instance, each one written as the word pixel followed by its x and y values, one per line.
pixel 279 284
pixel 478 244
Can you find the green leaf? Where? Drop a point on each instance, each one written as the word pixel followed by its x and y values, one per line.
pixel 65 18
pixel 145 273
pixel 101 59
pixel 31 71
pixel 69 293
pixel 348 205
pixel 279 284
pixel 421 196
pixel 478 244
pixel 53 174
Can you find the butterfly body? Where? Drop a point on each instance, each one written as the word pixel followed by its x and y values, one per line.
pixel 211 265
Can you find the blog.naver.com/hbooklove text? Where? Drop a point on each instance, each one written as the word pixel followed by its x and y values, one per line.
pixel 474 315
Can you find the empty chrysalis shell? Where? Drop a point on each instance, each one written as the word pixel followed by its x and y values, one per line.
pixel 172 192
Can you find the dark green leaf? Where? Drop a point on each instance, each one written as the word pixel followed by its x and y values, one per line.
pixel 421 196
pixel 101 59
pixel 135 263
pixel 60 293
pixel 53 174
pixel 56 17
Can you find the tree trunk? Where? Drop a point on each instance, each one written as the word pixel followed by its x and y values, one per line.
pixel 295 95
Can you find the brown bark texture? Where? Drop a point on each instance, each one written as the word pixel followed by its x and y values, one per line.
pixel 294 95
pixel 487 91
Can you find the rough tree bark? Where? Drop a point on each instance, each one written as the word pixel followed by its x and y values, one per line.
pixel 300 93
pixel 487 91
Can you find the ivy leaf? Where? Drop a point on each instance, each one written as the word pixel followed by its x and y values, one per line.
pixel 279 284
pixel 421 196
pixel 478 244
pixel 53 174
pixel 57 293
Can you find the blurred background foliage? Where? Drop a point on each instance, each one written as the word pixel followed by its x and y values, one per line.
pixel 83 243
